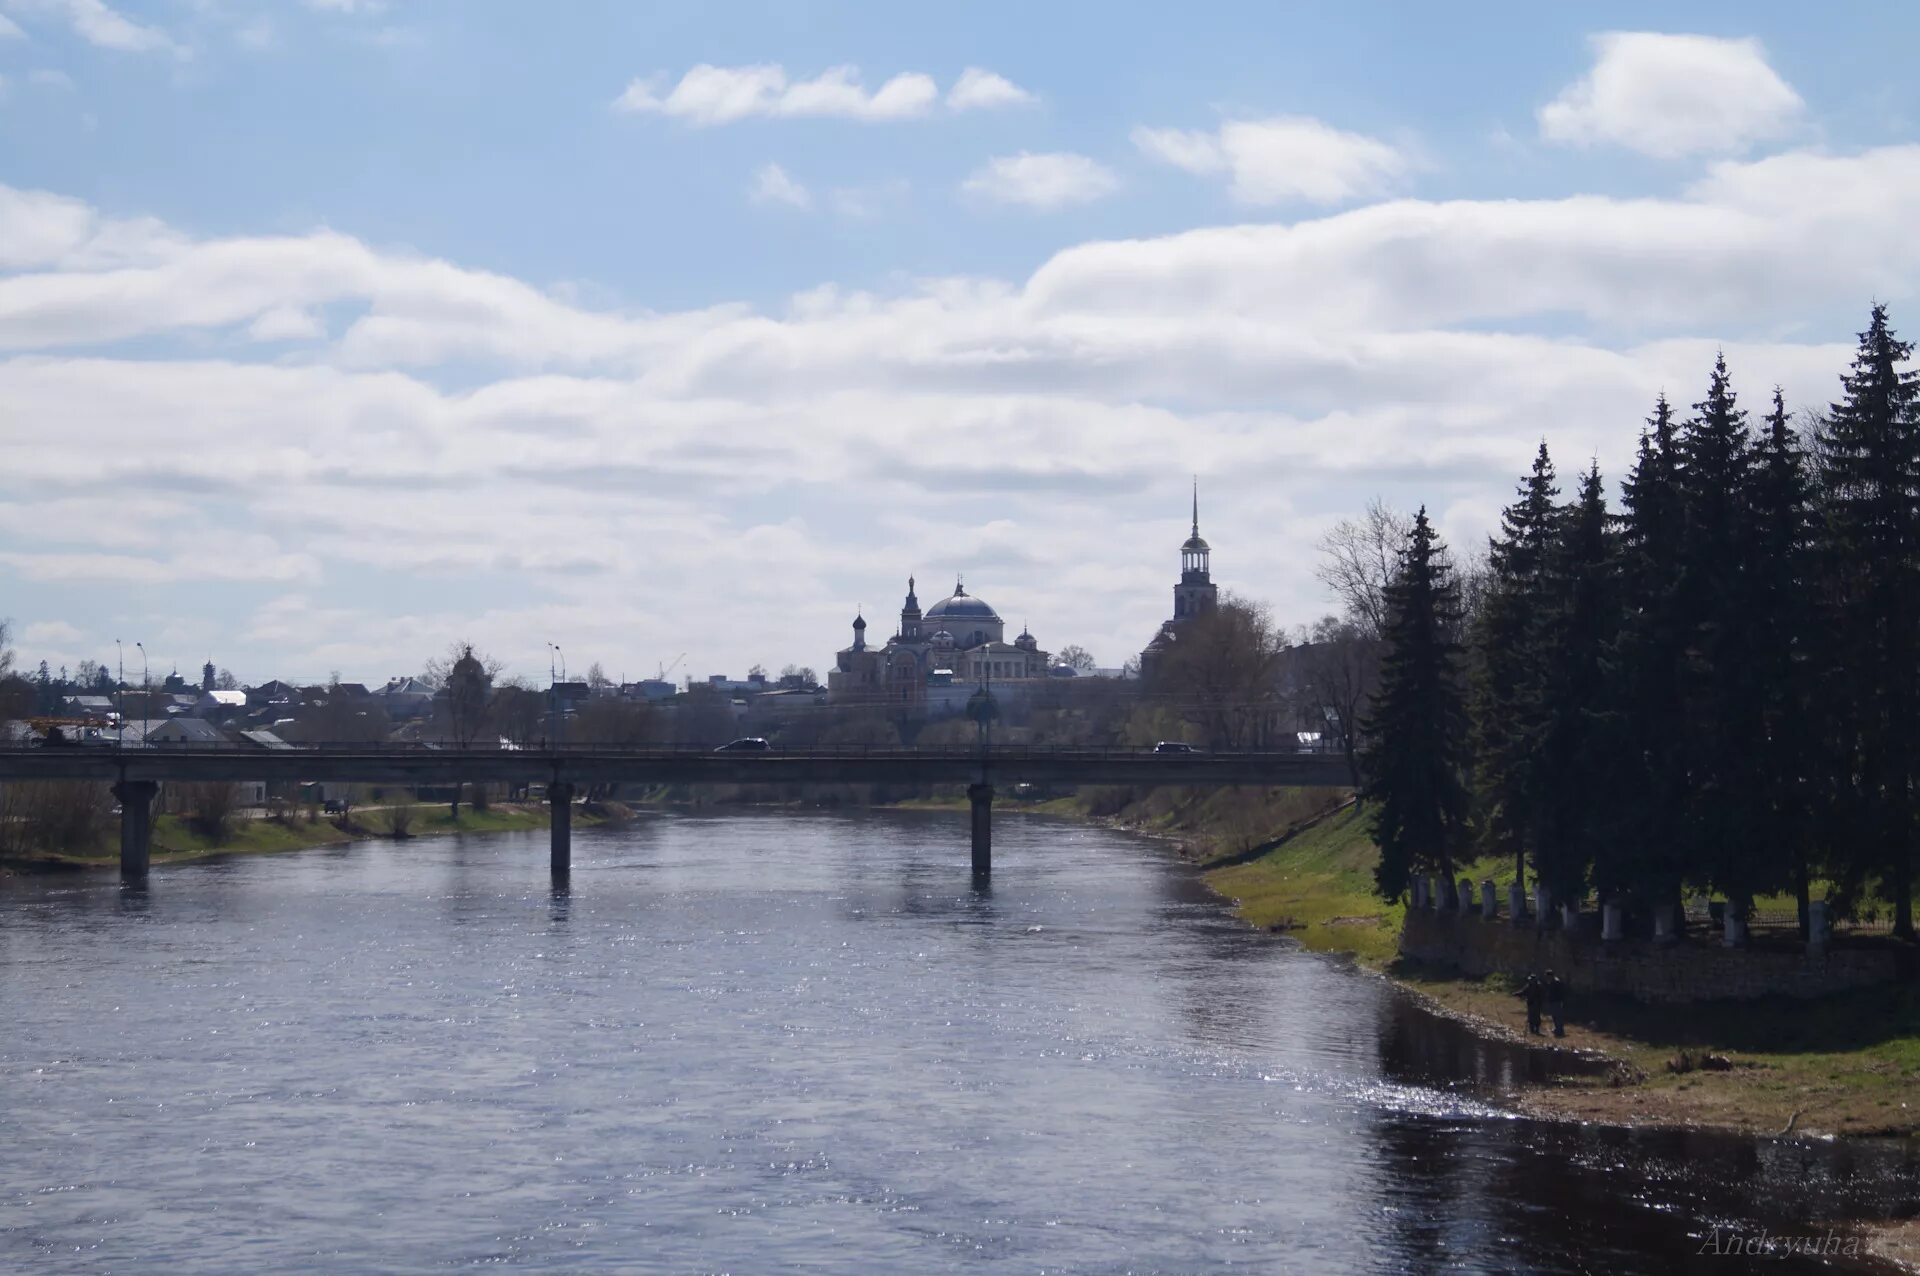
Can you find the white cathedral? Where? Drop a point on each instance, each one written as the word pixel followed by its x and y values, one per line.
pixel 960 641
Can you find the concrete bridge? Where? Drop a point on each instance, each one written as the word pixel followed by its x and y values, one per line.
pixel 137 772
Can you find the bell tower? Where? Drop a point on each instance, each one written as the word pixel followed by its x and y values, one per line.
pixel 1196 594
pixel 910 615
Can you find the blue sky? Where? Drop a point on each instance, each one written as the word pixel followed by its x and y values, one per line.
pixel 331 331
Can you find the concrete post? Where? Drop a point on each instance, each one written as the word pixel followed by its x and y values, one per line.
pixel 980 796
pixel 1819 928
pixel 1463 896
pixel 1569 917
pixel 1489 901
pixel 1664 929
pixel 1542 905
pixel 1736 928
pixel 136 826
pixel 1611 922
pixel 560 827
pixel 1449 899
pixel 1516 901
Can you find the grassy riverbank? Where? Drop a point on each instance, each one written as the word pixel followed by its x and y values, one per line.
pixel 175 840
pixel 1843 1065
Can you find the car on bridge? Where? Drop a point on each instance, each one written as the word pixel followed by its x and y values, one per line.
pixel 1176 746
pixel 746 744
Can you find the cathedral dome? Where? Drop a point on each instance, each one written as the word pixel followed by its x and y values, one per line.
pixel 962 606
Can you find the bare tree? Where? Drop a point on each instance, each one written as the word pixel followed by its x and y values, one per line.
pixel 1220 673
pixel 437 668
pixel 520 711
pixel 597 680
pixel 1358 557
pixel 212 807
pixel 467 681
pixel 1076 657
pixel 1339 669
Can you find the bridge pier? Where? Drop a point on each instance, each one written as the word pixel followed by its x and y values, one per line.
pixel 560 826
pixel 136 826
pixel 980 796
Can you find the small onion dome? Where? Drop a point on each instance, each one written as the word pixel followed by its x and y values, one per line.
pixel 859 621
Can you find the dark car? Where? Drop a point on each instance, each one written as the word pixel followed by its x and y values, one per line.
pixel 1175 746
pixel 745 744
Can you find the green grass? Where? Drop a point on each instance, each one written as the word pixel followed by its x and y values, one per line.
pixel 174 839
pixel 1318 886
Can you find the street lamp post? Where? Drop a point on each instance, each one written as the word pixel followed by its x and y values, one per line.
pixel 120 691
pixel 146 696
pixel 555 720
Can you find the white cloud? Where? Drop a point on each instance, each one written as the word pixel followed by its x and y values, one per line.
pixel 286 323
pixel 1673 95
pixel 1043 181
pixel 10 30
pixel 100 24
pixel 772 185
pixel 709 95
pixel 51 633
pixel 979 89
pixel 1281 160
pixel 873 199
pixel 599 469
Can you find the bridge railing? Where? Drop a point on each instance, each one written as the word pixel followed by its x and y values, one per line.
pixel 581 749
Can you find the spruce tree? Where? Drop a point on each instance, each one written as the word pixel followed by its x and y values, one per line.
pixel 1720 691
pixel 1508 668
pixel 1646 861
pixel 1417 732
pixel 1869 453
pixel 1779 611
pixel 1577 783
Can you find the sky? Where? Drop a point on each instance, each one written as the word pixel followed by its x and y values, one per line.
pixel 335 331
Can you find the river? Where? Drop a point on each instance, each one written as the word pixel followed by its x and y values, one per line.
pixel 758 1042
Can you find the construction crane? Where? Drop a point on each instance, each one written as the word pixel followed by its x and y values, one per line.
pixel 667 669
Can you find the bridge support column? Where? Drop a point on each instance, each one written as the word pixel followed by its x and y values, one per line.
pixel 136 826
pixel 560 826
pixel 981 798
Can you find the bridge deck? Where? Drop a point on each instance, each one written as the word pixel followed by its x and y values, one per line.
pixel 598 764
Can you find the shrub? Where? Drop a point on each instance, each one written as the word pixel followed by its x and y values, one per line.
pixel 213 809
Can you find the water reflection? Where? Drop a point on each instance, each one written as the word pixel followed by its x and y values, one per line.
pixel 765 1042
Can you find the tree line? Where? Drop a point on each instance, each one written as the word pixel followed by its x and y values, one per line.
pixel 1710 687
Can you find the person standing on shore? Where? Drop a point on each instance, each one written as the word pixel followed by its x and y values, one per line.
pixel 1557 1003
pixel 1533 992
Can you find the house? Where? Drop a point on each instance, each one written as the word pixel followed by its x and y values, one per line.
pixel 260 738
pixel 92 708
pixel 273 691
pixel 567 697
pixel 218 704
pixel 406 697
pixel 190 732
